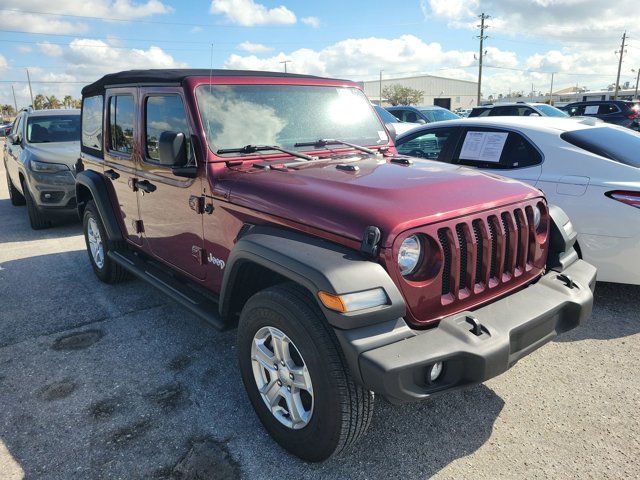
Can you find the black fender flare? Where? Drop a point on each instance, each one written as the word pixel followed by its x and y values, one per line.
pixel 95 183
pixel 562 240
pixel 316 264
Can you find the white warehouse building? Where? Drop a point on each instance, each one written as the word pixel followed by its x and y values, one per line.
pixel 444 92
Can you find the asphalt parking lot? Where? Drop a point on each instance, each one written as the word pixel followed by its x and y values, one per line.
pixel 102 381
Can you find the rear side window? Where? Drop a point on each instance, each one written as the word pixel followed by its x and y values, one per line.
pixel 607 109
pixel 615 143
pixel 506 150
pixel 480 112
pixel 164 113
pixel 436 144
pixel 121 112
pixel 92 123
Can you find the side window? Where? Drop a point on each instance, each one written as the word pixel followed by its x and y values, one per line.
pixel 484 112
pixel 163 113
pixel 121 118
pixel 410 116
pixel 590 109
pixel 495 149
pixel 576 111
pixel 607 109
pixel 92 122
pixel 397 114
pixel 17 124
pixel 436 144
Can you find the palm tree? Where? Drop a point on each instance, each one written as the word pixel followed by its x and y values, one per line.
pixel 67 101
pixel 39 101
pixel 52 102
pixel 77 103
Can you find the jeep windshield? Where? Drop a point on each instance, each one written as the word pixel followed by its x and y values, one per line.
pixel 285 115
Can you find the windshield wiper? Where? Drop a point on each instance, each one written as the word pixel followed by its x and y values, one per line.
pixel 323 142
pixel 248 149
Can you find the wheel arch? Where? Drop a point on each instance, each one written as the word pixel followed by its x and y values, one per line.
pixel 315 264
pixel 90 185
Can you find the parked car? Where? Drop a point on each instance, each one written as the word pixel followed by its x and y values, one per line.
pixel 617 112
pixel 464 112
pixel 422 115
pixel 517 109
pixel 591 170
pixel 39 157
pixel 5 129
pixel 392 122
pixel 339 262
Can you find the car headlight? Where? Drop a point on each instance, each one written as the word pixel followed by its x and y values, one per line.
pixel 537 217
pixel 46 167
pixel 409 255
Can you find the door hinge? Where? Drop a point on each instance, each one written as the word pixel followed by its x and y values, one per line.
pixel 196 204
pixel 138 226
pixel 199 255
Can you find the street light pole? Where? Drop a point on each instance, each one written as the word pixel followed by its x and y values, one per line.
pixel 622 52
pixel 482 38
pixel 285 64
pixel 380 90
pixel 30 91
pixel 635 96
pixel 551 91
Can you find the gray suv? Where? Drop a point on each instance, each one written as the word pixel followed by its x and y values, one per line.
pixel 39 159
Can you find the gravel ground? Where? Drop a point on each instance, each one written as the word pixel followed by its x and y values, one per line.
pixel 102 381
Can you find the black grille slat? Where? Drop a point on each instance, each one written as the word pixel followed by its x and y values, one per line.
pixel 494 248
pixel 463 255
pixel 446 268
pixel 478 234
pixel 519 262
pixel 507 239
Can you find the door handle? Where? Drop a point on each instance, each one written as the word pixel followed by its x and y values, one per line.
pixel 145 186
pixel 112 174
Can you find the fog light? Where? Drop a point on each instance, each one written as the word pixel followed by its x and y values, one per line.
pixel 435 371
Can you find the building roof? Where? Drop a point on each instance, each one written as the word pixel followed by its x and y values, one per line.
pixel 174 76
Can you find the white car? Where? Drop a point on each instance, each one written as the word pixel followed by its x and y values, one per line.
pixel 589 169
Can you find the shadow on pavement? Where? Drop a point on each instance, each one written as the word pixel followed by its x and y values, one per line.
pixel 616 314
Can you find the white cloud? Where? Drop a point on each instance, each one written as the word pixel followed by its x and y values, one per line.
pixel 449 9
pixel 24 48
pixel 311 21
pixel 253 47
pixel 3 63
pixel 248 13
pixel 50 49
pixel 195 29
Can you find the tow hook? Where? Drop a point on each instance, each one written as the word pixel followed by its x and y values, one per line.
pixel 567 280
pixel 476 326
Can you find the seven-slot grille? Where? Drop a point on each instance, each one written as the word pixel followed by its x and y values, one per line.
pixel 483 252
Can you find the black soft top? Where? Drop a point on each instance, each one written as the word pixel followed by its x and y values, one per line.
pixel 173 76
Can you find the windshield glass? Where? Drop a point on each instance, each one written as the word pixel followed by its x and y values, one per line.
pixel 238 115
pixel 438 114
pixel 613 142
pixel 54 128
pixel 387 117
pixel 550 111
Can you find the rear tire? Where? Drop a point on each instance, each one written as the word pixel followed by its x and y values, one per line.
pixel 340 410
pixel 98 247
pixel 14 195
pixel 37 219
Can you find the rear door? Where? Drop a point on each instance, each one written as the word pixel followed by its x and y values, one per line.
pixel 504 152
pixel 121 156
pixel 173 230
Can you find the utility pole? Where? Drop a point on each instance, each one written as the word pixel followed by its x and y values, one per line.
pixel 635 96
pixel 622 51
pixel 551 91
pixel 30 91
pixel 482 38
pixel 380 98
pixel 285 64
pixel 14 99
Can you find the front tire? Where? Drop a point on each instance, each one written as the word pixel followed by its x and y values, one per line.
pixel 37 219
pixel 15 196
pixel 98 247
pixel 296 376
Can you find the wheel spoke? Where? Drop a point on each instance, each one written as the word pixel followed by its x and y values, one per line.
pixel 264 356
pixel 301 379
pixel 294 407
pixel 272 392
pixel 280 344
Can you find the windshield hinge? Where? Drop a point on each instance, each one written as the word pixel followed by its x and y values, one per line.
pixel 370 241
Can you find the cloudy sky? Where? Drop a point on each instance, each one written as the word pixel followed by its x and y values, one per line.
pixel 68 43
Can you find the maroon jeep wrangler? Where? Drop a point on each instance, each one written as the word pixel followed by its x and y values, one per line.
pixel 278 204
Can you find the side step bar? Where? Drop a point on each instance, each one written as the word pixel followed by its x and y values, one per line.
pixel 198 303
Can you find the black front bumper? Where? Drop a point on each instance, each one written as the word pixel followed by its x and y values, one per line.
pixel 394 360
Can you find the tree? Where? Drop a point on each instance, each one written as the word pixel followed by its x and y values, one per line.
pixel 398 95
pixel 67 102
pixel 39 101
pixel 76 103
pixel 52 102
pixel 7 110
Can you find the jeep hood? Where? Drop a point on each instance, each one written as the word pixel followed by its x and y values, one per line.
pixel 58 152
pixel 391 196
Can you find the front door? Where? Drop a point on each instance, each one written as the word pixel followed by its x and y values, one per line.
pixel 172 223
pixel 120 158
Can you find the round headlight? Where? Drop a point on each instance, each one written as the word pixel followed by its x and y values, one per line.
pixel 537 216
pixel 409 255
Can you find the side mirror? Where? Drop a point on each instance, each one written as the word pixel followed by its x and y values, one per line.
pixel 392 131
pixel 14 138
pixel 534 114
pixel 172 147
